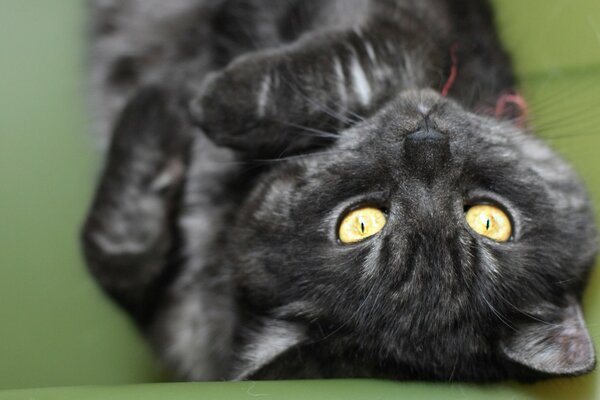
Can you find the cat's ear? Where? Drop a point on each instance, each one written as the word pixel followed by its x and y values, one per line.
pixel 271 340
pixel 560 345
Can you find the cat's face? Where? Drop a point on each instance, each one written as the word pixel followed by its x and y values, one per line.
pixel 426 288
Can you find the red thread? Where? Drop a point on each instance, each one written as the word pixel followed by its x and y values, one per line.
pixel 518 101
pixel 453 71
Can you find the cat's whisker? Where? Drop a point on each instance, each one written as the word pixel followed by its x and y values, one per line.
pixel 298 157
pixel 318 132
pixel 574 122
pixel 563 281
pixel 564 90
pixel 562 127
pixel 560 133
pixel 290 146
pixel 568 130
pixel 324 126
pixel 570 136
pixel 499 315
pixel 520 311
pixel 589 109
pixel 538 119
pixel 583 129
pixel 551 103
pixel 359 118
pixel 354 314
pixel 574 117
pixel 327 110
pixel 287 149
pixel 259 162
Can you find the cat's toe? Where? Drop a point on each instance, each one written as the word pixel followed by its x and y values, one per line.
pixel 231 102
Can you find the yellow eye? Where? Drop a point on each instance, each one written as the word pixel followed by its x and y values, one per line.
pixel 360 224
pixel 490 221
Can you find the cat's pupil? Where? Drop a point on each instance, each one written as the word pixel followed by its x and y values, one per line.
pixel 487 224
pixel 362 227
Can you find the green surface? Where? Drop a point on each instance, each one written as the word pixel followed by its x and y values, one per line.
pixel 551 36
pixel 300 390
pixel 57 329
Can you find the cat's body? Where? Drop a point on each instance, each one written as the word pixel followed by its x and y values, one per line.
pixel 232 267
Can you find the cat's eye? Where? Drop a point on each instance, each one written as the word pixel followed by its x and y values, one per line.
pixel 361 223
pixel 489 221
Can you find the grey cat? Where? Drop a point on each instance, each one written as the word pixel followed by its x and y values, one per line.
pixel 316 188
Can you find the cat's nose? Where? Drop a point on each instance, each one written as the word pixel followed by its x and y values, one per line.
pixel 425 135
pixel 426 131
pixel 426 149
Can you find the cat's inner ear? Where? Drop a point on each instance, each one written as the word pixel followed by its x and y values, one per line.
pixel 265 344
pixel 558 344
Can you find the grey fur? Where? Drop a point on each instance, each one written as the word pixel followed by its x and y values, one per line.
pixel 252 126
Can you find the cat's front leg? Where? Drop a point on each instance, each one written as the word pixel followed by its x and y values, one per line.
pixel 127 234
pixel 288 99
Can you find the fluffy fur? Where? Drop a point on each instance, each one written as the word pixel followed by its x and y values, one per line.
pixel 252 126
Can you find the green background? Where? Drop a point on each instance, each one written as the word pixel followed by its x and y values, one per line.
pixel 57 329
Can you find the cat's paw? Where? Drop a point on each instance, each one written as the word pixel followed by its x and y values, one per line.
pixel 155 120
pixel 263 105
pixel 151 140
pixel 236 102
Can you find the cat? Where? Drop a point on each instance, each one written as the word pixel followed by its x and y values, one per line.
pixel 319 188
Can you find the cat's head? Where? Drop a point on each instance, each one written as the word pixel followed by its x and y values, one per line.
pixel 428 235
